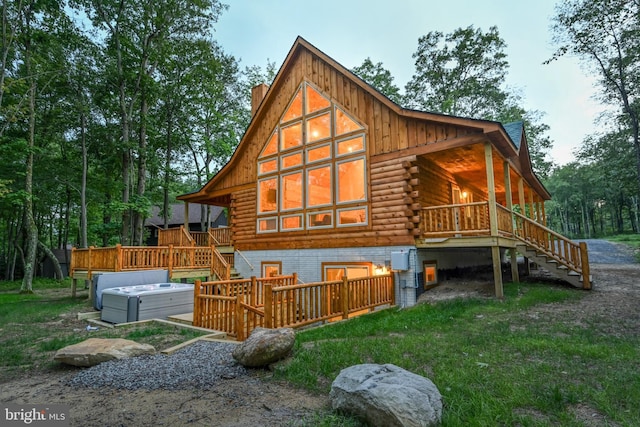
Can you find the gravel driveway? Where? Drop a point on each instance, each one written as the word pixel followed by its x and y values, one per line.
pixel 605 252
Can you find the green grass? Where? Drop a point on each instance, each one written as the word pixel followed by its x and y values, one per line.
pixel 495 362
pixel 34 326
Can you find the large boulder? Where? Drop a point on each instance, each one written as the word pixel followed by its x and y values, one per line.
pixel 97 350
pixel 264 346
pixel 386 395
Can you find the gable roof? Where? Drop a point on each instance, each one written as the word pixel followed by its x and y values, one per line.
pixel 495 131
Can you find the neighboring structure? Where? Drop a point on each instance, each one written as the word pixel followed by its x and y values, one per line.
pixel 332 178
pixel 216 219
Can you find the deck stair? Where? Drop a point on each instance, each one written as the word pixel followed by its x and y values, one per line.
pixel 573 277
pixel 562 257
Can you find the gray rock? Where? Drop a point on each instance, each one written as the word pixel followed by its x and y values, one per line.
pixel 264 346
pixel 387 395
pixel 97 350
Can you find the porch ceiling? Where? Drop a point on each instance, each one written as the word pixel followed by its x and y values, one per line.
pixel 467 164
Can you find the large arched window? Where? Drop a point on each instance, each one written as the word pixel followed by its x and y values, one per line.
pixel 312 170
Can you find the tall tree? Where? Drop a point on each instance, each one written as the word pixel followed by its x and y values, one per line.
pixel 380 78
pixel 605 35
pixel 460 74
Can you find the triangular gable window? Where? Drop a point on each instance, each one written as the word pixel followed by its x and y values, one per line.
pixel 345 123
pixel 272 145
pixel 316 101
pixel 295 109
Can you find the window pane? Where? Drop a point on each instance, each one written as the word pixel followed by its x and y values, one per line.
pixel 315 101
pixel 319 186
pixel 320 219
pixel 292 222
pixel 291 136
pixel 292 191
pixel 272 145
pixel 267 195
pixel 319 127
pixel 318 153
pixel 344 123
pixel 267 224
pixel 268 166
pixel 351 181
pixel 352 145
pixel 352 217
pixel 292 160
pixel 295 109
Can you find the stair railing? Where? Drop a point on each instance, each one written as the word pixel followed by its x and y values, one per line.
pixel 564 251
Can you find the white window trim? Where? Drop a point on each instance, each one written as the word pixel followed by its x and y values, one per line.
pixel 306 186
pixel 313 147
pixel 353 224
pixel 302 191
pixel 353 136
pixel 337 179
pixel 266 218
pixel 283 217
pixel 312 226
pixel 260 162
pixel 260 195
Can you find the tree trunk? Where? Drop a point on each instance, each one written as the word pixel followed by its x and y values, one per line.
pixel 142 172
pixel 31 230
pixel 56 264
pixel 84 241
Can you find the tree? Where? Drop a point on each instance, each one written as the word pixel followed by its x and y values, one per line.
pixel 380 78
pixel 460 74
pixel 605 35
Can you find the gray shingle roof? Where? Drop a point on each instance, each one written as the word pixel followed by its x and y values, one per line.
pixel 514 130
pixel 176 215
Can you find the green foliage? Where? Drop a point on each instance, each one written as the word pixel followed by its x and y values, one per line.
pixel 380 78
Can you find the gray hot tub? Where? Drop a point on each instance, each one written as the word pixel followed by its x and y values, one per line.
pixel 143 302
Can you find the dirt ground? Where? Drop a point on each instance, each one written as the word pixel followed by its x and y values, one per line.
pixel 257 400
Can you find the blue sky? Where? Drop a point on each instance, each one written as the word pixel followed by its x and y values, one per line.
pixel 257 31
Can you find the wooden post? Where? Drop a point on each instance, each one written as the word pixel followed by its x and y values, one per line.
pixel 268 305
pixel 497 272
pixel 196 303
pixel 493 220
pixel 491 189
pixel 515 277
pixel 186 215
pixel 344 297
pixel 584 261
pixel 170 263
pixel 241 336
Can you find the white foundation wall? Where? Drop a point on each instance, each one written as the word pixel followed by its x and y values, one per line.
pixel 307 263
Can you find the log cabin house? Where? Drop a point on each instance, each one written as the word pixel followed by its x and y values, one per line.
pixel 332 178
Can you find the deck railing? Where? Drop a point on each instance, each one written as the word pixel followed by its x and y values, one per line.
pixel 129 258
pixel 239 306
pixel 458 219
pixel 472 219
pixel 174 236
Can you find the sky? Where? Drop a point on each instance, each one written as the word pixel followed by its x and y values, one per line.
pixel 349 31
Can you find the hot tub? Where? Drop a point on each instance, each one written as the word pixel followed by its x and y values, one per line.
pixel 143 302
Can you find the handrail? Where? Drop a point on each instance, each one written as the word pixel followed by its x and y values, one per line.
pixel 219 265
pixel 245 259
pixel 554 245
